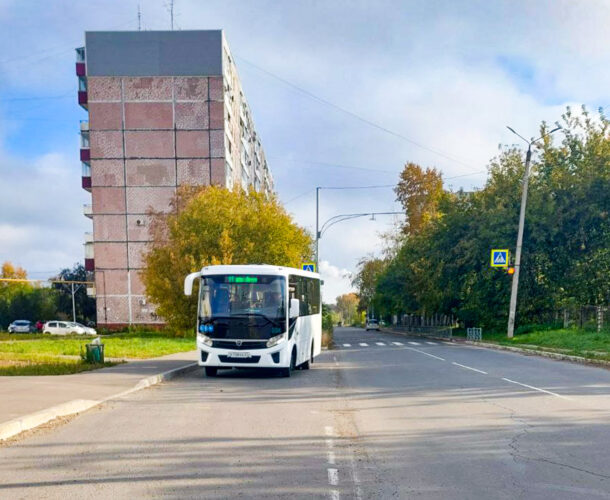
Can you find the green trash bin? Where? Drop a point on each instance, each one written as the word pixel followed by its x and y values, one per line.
pixel 95 353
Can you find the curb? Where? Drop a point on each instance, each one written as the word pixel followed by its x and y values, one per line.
pixel 544 354
pixel 18 425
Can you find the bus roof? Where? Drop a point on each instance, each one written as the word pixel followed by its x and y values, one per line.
pixel 257 269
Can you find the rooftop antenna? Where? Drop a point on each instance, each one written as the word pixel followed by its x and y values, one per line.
pixel 139 18
pixel 170 7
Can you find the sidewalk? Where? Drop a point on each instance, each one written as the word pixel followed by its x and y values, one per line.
pixel 22 396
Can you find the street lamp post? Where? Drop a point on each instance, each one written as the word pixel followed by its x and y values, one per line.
pixel 515 283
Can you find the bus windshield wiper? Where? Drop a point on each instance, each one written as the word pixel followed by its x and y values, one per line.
pixel 270 320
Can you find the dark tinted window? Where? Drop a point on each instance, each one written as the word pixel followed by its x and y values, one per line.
pixel 307 290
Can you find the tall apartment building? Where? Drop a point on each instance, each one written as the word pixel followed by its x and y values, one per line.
pixel 166 108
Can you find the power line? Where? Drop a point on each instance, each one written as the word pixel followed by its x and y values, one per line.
pixel 354 115
pixel 333 165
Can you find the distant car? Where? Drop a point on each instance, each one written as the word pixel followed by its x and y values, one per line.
pixel 66 328
pixel 372 324
pixel 20 326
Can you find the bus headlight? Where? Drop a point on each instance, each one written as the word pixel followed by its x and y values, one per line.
pixel 278 339
pixel 205 339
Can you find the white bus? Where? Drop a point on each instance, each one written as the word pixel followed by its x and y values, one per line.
pixel 257 316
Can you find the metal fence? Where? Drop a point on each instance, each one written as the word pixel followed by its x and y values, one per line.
pixel 474 334
pixel 443 332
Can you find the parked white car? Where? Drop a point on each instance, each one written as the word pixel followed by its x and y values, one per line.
pixel 66 328
pixel 21 326
pixel 372 324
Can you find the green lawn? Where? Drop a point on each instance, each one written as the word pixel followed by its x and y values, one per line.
pixel 567 341
pixel 54 355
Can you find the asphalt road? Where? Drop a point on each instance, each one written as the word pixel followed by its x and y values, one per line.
pixel 379 416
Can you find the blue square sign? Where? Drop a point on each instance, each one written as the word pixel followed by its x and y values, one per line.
pixel 499 257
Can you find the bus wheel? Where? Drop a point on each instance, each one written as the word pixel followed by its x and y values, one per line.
pixel 286 372
pixel 309 362
pixel 211 371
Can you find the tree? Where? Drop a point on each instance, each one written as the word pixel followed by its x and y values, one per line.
pixel 347 307
pixel 23 300
pixel 210 226
pixel 443 265
pixel 365 280
pixel 419 191
pixel 85 305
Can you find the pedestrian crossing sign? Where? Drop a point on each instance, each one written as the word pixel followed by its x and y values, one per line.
pixel 309 266
pixel 499 257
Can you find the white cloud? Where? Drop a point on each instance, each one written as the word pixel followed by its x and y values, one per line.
pixel 336 281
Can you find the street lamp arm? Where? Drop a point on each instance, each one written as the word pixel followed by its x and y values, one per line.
pixel 339 218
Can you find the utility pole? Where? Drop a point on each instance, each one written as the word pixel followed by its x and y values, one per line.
pixel 73 304
pixel 139 19
pixel 317 225
pixel 515 284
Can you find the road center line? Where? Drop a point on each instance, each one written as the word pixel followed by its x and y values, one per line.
pixel 331 457
pixel 379 343
pixel 347 345
pixel 470 368
pixel 535 388
pixel 364 344
pixel 426 353
pixel 333 476
pixel 397 343
pixel 414 343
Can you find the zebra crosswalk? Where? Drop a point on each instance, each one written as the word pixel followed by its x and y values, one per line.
pixel 383 344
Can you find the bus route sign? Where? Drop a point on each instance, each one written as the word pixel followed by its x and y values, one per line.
pixel 309 266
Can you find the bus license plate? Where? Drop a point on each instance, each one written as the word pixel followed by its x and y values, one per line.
pixel 239 355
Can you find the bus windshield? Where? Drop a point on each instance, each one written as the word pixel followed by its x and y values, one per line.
pixel 243 306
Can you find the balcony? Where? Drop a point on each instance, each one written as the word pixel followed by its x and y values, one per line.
pixel 85 155
pixel 80 54
pixel 88 210
pixel 89 264
pixel 81 69
pixel 84 126
pixel 86 177
pixel 91 291
pixel 82 99
pixel 88 239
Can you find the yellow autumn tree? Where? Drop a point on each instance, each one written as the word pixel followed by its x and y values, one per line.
pixel 419 191
pixel 210 226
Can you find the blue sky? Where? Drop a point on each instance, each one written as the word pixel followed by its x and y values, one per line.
pixel 443 78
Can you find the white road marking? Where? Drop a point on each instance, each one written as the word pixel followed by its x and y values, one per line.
pixel 535 388
pixel 379 343
pixel 329 443
pixel 364 344
pixel 397 343
pixel 329 430
pixel 431 343
pixel 470 368
pixel 333 476
pixel 331 457
pixel 425 353
pixel 334 494
pixel 414 343
pixel 347 345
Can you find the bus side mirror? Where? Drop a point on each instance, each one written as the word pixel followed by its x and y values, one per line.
pixel 294 308
pixel 188 282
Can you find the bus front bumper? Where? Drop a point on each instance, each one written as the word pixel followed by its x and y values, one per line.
pixel 272 357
